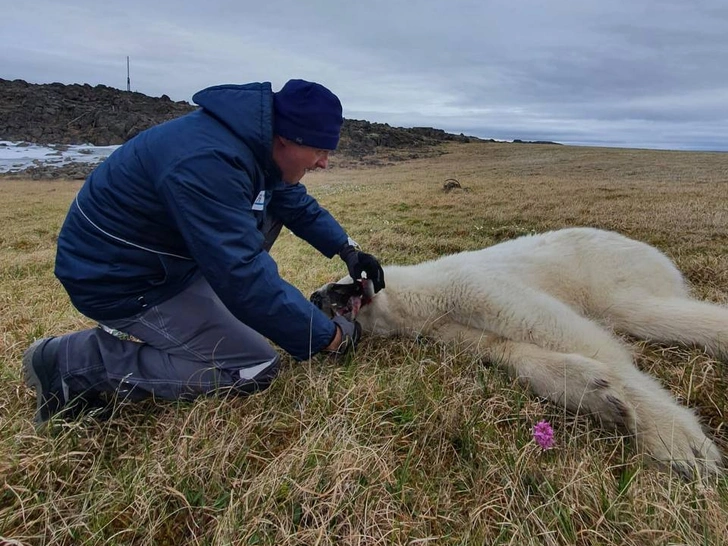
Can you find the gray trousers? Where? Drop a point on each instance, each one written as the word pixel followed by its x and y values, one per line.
pixel 191 345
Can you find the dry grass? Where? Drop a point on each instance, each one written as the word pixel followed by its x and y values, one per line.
pixel 407 443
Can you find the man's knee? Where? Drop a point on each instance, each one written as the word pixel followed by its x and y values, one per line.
pixel 261 380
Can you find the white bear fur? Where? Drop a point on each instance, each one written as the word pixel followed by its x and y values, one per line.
pixel 545 307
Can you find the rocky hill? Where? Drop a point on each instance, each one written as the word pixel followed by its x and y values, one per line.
pixel 78 114
pixel 83 114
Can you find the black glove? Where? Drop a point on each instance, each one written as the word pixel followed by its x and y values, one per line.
pixel 350 335
pixel 359 262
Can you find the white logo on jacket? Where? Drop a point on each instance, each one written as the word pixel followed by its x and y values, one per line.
pixel 259 203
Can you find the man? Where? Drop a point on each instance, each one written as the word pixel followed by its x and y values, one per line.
pixel 167 241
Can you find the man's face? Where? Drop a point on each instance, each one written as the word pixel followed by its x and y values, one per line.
pixel 295 160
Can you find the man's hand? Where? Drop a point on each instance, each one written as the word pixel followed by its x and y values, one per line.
pixel 359 262
pixel 347 336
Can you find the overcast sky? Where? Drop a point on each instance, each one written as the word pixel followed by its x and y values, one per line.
pixel 630 73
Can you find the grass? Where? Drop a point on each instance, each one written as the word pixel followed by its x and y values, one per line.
pixel 408 442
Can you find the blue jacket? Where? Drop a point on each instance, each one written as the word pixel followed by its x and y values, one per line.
pixel 189 197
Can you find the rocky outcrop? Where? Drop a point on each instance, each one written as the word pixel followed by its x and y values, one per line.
pixel 360 139
pixel 79 114
pixel 54 114
pixel 70 171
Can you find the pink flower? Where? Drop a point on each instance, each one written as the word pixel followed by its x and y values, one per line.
pixel 543 435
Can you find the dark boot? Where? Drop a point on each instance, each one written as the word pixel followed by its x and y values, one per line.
pixel 41 373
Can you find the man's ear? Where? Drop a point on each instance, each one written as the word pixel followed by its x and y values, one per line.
pixel 282 141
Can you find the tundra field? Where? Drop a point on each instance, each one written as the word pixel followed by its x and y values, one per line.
pixel 406 442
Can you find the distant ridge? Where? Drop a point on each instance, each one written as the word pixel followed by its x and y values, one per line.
pixel 56 113
pixel 79 114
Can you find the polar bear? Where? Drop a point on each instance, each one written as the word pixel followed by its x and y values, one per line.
pixel 546 308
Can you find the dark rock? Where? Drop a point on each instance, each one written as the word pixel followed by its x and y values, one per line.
pixel 69 171
pixel 58 114
pixel 451 184
pixel 79 114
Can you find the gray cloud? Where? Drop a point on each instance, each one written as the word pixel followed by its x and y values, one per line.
pixel 622 73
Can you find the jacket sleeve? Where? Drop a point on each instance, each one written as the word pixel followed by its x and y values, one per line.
pixel 302 214
pixel 210 198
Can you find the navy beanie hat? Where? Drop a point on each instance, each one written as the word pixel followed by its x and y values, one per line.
pixel 307 113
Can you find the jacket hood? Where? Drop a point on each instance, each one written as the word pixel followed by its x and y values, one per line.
pixel 247 110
